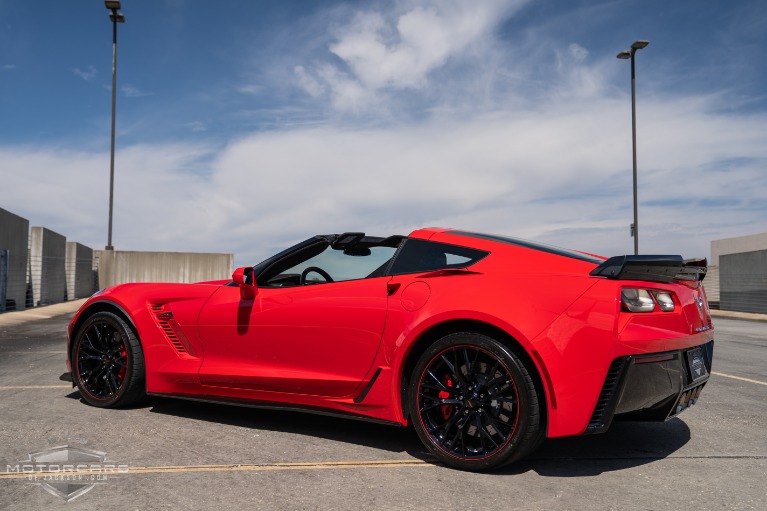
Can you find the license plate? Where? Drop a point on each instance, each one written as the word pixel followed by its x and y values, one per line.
pixel 697 364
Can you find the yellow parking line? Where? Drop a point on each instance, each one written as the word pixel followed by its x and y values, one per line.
pixel 32 387
pixel 33 352
pixel 278 466
pixel 739 378
pixel 231 468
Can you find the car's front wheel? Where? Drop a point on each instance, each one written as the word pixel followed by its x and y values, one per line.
pixel 107 362
pixel 473 402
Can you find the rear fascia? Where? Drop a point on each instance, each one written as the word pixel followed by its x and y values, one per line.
pixel 580 347
pixel 653 387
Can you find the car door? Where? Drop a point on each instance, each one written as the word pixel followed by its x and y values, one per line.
pixel 315 338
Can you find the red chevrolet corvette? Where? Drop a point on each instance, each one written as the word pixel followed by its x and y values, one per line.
pixel 486 344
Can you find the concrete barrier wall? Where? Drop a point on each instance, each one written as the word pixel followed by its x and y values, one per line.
pixel 39 267
pixel 750 243
pixel 743 282
pixel 711 283
pixel 47 254
pixel 14 237
pixel 119 267
pixel 81 278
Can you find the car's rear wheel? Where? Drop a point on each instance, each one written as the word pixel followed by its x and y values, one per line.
pixel 107 362
pixel 473 402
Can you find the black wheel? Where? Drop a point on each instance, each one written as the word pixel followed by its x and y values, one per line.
pixel 107 362
pixel 473 403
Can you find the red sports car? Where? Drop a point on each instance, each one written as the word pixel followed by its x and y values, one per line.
pixel 486 344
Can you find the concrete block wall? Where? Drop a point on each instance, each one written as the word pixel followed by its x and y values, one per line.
pixel 14 238
pixel 119 267
pixel 81 278
pixel 47 253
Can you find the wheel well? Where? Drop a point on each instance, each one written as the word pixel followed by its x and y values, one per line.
pixel 102 306
pixel 436 332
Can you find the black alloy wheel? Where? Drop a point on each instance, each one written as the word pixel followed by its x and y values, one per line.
pixel 107 362
pixel 473 402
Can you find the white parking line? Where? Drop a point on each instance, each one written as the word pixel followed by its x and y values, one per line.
pixel 739 378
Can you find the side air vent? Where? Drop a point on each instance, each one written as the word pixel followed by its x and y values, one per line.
pixel 608 397
pixel 170 328
pixel 171 335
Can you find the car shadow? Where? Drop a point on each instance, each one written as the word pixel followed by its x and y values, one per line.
pixel 625 445
pixel 369 434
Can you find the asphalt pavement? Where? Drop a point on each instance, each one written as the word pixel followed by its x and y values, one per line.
pixel 171 454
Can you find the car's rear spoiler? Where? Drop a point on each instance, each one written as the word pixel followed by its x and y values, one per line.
pixel 653 268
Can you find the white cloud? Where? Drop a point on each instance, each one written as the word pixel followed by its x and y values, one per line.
pixel 578 52
pixel 558 176
pixel 402 54
pixel 87 75
pixel 526 139
pixel 400 49
pixel 196 126
pixel 73 200
pixel 250 89
pixel 307 82
pixel 347 94
pixel 8 67
pixel 133 92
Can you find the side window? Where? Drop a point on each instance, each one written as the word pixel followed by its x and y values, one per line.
pixel 422 256
pixel 345 265
pixel 322 264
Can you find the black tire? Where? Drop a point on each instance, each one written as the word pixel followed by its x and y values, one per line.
pixel 473 403
pixel 107 362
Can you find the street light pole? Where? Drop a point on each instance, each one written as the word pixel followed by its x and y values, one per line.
pixel 637 45
pixel 116 17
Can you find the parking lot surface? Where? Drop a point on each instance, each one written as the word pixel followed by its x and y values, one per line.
pixel 172 454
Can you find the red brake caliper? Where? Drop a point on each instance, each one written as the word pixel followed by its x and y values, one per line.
pixel 123 356
pixel 446 410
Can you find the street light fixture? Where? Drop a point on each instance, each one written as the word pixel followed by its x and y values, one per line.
pixel 637 45
pixel 115 17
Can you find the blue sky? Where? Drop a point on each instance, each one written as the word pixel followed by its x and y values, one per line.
pixel 244 126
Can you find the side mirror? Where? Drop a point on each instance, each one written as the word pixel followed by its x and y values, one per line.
pixel 243 277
